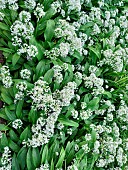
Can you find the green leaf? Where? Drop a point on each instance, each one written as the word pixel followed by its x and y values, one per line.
pixel 49 31
pixel 10 115
pixel 36 157
pixel 3 127
pixel 94 104
pixel 4 26
pixel 7 50
pixel 61 158
pixel 44 154
pixel 4 140
pixel 46 4
pixel 6 99
pixel 15 59
pixel 14 146
pixel 29 161
pixel 108 94
pixel 13 135
pixel 40 69
pixel 49 75
pixel 22 157
pixel 19 108
pixel 94 54
pixel 25 134
pixel 32 116
pixel 15 164
pixel 41 25
pixel 3 115
pixel 67 122
pixel 69 152
pixel 52 165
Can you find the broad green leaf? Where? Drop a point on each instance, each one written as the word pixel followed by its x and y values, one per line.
pixel 21 156
pixel 36 157
pixel 78 56
pixel 108 94
pixel 3 115
pixel 49 31
pixel 13 135
pixel 61 158
pixel 42 23
pixel 25 134
pixel 7 50
pixel 6 98
pixel 79 154
pixel 3 127
pixel 69 152
pixel 44 154
pixel 14 14
pixel 4 26
pixel 95 51
pixel 67 122
pixel 15 164
pixel 95 157
pixel 86 26
pixel 10 115
pixel 41 68
pixel 94 104
pixel 8 35
pixel 32 116
pixel 15 59
pixel 86 98
pixel 47 4
pixel 13 146
pixel 49 75
pixel 4 140
pixel 19 108
pixel 29 161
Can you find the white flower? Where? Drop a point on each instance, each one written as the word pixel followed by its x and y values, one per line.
pixel 64 49
pixel 2 4
pixel 39 11
pixel 32 51
pixel 30 4
pixel 25 73
pixel 56 6
pixel 74 5
pixel 22 86
pixel 24 16
pixel 74 113
pixel 2 15
pixel 17 124
pixel 19 96
pixel 6 159
pixel 85 148
pixel 5 76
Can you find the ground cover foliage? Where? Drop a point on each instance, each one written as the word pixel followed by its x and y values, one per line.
pixel 64 85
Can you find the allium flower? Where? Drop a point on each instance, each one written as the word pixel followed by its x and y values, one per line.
pixel 16 124
pixel 5 76
pixel 24 16
pixel 25 73
pixel 30 4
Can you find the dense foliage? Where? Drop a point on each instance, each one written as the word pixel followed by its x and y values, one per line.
pixel 64 85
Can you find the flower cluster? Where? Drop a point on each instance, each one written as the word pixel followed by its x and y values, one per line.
pixel 5 76
pixel 17 123
pixel 21 31
pixel 21 87
pixel 25 74
pixel 6 159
